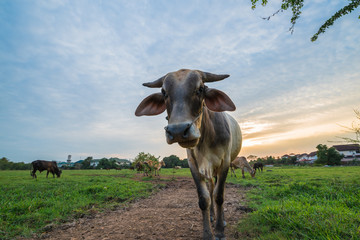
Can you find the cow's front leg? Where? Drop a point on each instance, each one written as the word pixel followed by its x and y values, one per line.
pixel 219 200
pixel 211 190
pixel 204 202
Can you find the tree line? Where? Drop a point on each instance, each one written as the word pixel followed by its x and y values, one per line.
pixel 6 164
pixel 325 156
pixel 104 163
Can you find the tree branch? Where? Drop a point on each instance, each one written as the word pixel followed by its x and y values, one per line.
pixel 296 6
pixel 345 10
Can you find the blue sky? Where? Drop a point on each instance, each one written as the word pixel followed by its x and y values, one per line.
pixel 71 74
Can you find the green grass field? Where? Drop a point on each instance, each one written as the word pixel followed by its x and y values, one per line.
pixel 303 203
pixel 28 205
pixel 287 203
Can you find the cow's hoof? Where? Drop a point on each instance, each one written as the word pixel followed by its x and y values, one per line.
pixel 220 238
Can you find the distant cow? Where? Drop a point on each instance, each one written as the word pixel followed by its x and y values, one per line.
pixel 258 165
pixel 49 166
pixel 139 166
pixel 242 163
pixel 154 165
pixel 197 122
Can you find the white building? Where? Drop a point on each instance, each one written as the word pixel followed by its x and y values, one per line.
pixel 312 157
pixel 351 152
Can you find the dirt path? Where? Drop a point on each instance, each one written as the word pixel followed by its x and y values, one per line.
pixel 172 213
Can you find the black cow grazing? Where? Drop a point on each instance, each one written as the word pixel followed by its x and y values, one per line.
pixel 258 165
pixel 42 165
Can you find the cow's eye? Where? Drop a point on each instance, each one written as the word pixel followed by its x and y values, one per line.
pixel 200 90
pixel 164 93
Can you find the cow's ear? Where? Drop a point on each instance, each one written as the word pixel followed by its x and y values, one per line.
pixel 151 105
pixel 218 101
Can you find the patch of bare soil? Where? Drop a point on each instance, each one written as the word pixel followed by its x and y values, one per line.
pixel 171 213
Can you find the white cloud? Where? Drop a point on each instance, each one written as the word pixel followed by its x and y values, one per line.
pixel 73 80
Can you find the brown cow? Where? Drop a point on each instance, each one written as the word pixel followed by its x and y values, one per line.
pixel 141 166
pixel 41 165
pixel 197 122
pixel 156 165
pixel 242 163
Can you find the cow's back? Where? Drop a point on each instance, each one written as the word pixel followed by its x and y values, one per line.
pixel 36 165
pixel 236 137
pixel 42 165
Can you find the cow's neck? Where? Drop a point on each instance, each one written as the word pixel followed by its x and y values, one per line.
pixel 215 130
pixel 200 154
pixel 207 127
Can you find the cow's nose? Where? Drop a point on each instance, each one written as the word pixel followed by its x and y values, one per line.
pixel 168 133
pixel 178 132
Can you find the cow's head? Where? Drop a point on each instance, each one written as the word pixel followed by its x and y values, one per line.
pixel 184 95
pixel 253 172
pixel 58 172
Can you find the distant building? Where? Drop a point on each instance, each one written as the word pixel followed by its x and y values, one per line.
pixel 119 162
pixel 285 156
pixel 312 157
pixel 351 152
pixel 303 158
pixel 94 162
pixel 61 164
pixel 69 160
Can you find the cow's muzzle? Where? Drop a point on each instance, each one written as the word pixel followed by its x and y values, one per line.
pixel 186 134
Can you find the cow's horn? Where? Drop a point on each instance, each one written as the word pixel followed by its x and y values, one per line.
pixel 155 84
pixel 210 77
